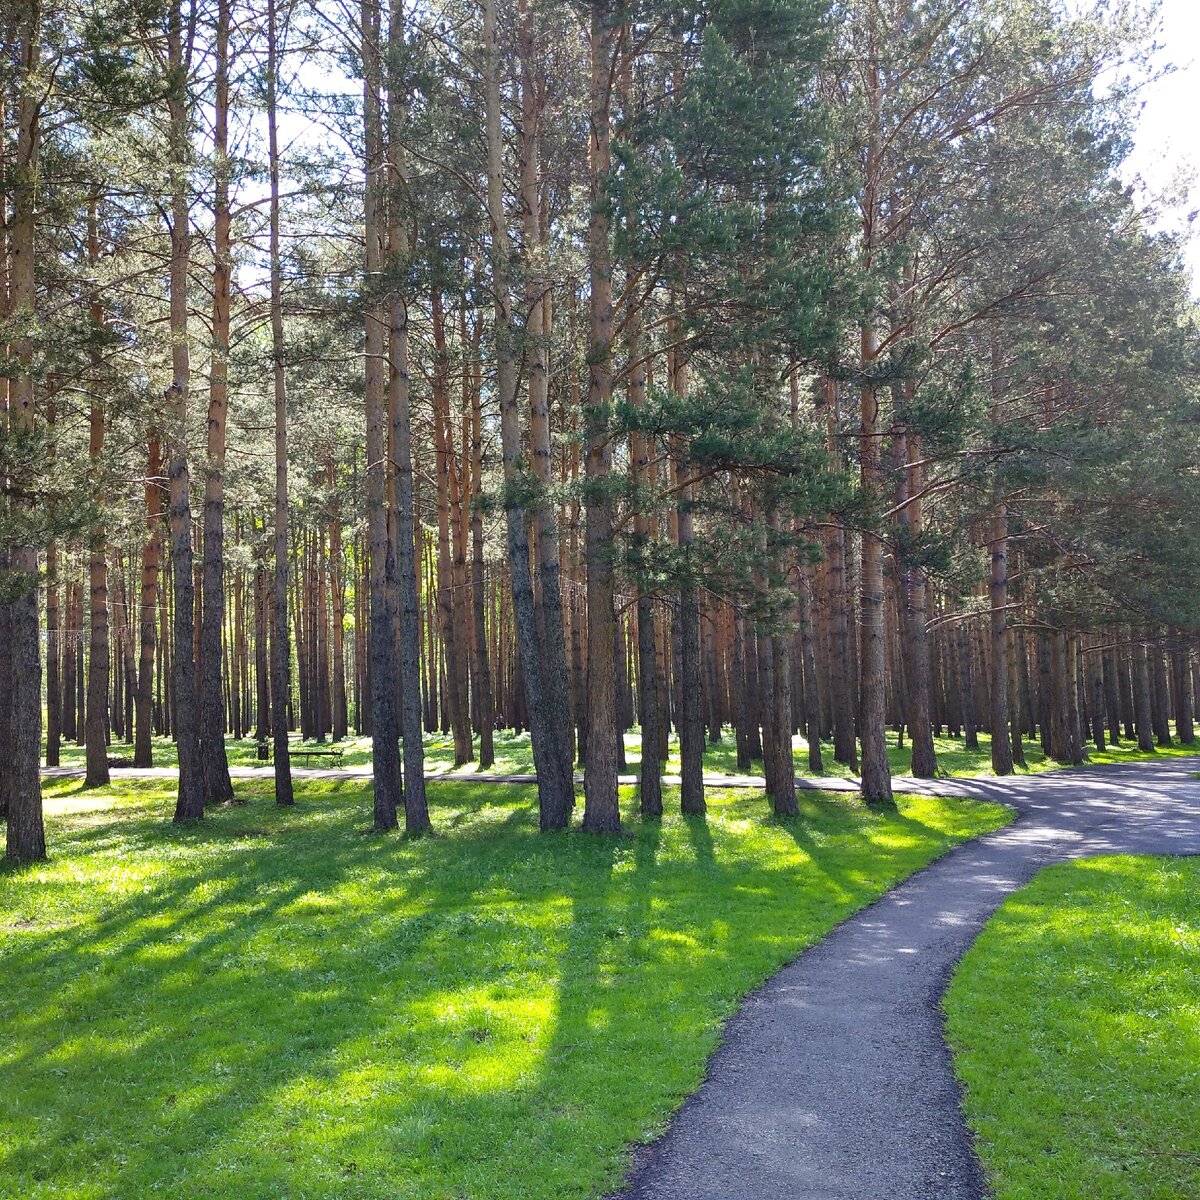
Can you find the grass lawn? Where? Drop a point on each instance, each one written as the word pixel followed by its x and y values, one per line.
pixel 1075 1021
pixel 514 755
pixel 278 1004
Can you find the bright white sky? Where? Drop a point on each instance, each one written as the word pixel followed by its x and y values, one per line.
pixel 1167 152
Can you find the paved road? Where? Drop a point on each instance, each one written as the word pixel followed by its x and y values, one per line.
pixel 834 1082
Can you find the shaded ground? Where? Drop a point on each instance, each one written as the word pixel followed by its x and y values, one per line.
pixel 834 1082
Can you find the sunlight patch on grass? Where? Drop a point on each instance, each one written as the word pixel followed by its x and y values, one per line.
pixel 277 1003
pixel 1074 1024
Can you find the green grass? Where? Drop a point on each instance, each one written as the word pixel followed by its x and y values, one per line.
pixel 514 755
pixel 279 1004
pixel 1075 1021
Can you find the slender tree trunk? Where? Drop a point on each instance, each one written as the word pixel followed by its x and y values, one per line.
pixel 217 784
pixel 444 456
pixel 416 808
pixel 1095 666
pixel 280 651
pixel 812 695
pixel 538 328
pixel 602 813
pixel 876 770
pixel 691 714
pixel 1016 656
pixel 551 758
pixel 1160 696
pixel 190 802
pixel 53 617
pixel 26 837
pixel 914 609
pixel 1143 718
pixel 384 725
pixel 485 698
pixel 649 716
pixel 1182 688
pixel 340 713
pixel 96 736
pixel 143 753
pixel 966 686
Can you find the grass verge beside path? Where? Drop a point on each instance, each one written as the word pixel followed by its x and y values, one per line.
pixel 276 1003
pixel 1073 1021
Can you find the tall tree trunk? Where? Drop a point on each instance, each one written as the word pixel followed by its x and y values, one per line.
pixel 340 715
pixel 416 808
pixel 966 684
pixel 96 726
pixel 812 694
pixel 53 618
pixel 26 836
pixel 691 714
pixel 384 725
pixel 1016 663
pixel 602 813
pixel 914 606
pixel 1142 708
pixel 444 457
pixel 837 604
pixel 281 685
pixel 217 784
pixel 551 758
pixel 649 715
pixel 1160 695
pixel 876 770
pixel 1002 749
pixel 189 804
pixel 143 751
pixel 1182 688
pixel 538 328
pixel 482 675
pixel 1095 665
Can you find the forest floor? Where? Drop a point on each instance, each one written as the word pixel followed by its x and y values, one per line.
pixel 276 1003
pixel 514 756
pixel 1073 1020
pixel 835 1082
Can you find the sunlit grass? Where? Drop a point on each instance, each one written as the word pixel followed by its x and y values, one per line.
pixel 514 755
pixel 277 1003
pixel 1075 1020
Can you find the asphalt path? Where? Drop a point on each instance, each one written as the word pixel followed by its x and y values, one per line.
pixel 834 1081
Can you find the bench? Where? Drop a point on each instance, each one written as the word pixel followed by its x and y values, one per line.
pixel 304 753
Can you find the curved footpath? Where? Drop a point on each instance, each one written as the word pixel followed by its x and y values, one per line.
pixel 834 1081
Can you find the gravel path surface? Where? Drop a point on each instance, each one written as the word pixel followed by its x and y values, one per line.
pixel 834 1081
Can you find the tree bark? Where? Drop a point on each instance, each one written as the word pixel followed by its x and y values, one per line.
pixel 95 723
pixel 876 770
pixel 280 651
pixel 416 808
pixel 26 836
pixel 143 753
pixel 602 813
pixel 189 804
pixel 551 758
pixel 1182 687
pixel 914 593
pixel 388 788
pixel 218 786
pixel 1143 718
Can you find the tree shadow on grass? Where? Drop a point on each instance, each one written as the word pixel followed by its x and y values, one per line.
pixel 271 1003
